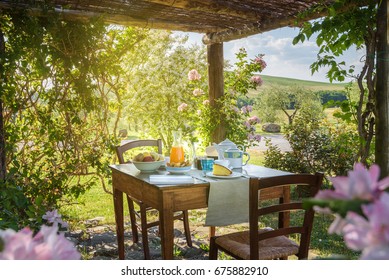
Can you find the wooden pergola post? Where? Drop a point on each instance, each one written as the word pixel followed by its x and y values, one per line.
pixel 382 91
pixel 216 85
pixel 3 168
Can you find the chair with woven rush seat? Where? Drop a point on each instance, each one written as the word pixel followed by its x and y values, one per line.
pixel 268 243
pixel 143 208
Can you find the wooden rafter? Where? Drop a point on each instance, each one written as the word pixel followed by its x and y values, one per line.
pixel 225 20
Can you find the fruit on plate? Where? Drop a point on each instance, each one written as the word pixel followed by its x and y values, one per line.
pixel 179 164
pixel 220 170
pixel 148 157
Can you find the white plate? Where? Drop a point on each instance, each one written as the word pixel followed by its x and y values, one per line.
pixel 233 175
pixel 178 170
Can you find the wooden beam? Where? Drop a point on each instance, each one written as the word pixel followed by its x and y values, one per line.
pixel 267 25
pixel 215 7
pixel 116 18
pixel 382 90
pixel 251 29
pixel 216 85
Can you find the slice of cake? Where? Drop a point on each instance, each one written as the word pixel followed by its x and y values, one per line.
pixel 220 170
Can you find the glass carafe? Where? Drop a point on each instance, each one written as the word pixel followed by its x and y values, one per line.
pixel 177 151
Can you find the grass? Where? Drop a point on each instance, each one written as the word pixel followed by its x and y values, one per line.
pixel 94 203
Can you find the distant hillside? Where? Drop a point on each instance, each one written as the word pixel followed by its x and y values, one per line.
pixel 269 81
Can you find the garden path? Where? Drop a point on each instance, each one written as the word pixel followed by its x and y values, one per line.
pixel 98 242
pixel 276 139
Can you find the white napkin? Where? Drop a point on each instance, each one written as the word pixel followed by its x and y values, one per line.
pixel 228 202
pixel 170 179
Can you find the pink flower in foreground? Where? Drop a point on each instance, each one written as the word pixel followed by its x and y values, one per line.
pixel 257 80
pixel 182 107
pixel 47 244
pixel 360 183
pixel 337 225
pixel 206 102
pixel 193 75
pixel 370 235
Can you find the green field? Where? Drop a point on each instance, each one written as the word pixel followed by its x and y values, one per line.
pixel 270 81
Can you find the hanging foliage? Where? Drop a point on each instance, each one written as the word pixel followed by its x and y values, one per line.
pixel 55 110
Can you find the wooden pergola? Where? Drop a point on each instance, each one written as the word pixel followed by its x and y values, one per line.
pixel 220 21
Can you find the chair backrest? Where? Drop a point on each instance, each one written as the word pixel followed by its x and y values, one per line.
pixel 121 149
pixel 304 227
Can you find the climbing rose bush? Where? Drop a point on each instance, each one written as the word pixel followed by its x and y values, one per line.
pixel 360 202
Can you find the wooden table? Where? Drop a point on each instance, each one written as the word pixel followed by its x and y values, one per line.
pixel 167 199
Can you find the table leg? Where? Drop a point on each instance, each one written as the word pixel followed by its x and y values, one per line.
pixel 212 231
pixel 167 225
pixel 118 206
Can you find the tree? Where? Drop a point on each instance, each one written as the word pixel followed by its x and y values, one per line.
pixel 288 100
pixel 349 25
pixel 157 84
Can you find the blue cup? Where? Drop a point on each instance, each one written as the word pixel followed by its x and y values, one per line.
pixel 207 164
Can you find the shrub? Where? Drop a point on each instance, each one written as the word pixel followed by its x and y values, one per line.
pixel 317 146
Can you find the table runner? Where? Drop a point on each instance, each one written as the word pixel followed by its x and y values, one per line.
pixel 228 202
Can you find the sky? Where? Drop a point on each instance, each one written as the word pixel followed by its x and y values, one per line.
pixel 282 57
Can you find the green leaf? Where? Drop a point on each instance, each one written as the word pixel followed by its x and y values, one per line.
pixel 341 207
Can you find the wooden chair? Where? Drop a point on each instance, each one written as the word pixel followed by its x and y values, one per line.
pixel 142 213
pixel 269 243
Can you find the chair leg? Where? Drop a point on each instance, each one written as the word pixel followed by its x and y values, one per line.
pixel 145 238
pixel 134 229
pixel 186 228
pixel 213 249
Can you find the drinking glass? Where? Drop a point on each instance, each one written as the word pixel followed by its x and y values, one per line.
pixel 206 165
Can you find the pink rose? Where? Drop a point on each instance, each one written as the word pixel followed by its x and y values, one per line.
pixel 193 75
pixel 198 92
pixel 257 80
pixel 254 120
pixel 259 60
pixel 182 107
